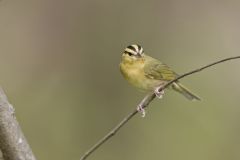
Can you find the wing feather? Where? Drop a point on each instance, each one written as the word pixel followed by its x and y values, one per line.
pixel 155 69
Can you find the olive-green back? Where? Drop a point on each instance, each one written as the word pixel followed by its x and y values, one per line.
pixel 154 69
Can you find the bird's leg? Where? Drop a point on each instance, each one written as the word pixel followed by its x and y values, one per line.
pixel 159 92
pixel 141 110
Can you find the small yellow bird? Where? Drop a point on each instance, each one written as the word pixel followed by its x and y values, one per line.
pixel 147 73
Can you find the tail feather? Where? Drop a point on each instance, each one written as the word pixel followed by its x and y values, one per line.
pixel 184 91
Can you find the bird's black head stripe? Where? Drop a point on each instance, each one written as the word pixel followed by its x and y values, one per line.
pixel 129 53
pixel 132 48
pixel 139 47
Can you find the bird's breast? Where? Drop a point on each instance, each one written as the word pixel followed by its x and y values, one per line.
pixel 135 75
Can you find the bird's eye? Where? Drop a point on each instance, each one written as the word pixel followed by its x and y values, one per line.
pixel 129 53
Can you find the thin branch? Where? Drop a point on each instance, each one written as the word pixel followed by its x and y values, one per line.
pixel 147 99
pixel 144 103
pixel 198 70
pixel 13 144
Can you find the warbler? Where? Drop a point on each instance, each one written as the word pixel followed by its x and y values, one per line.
pixel 149 74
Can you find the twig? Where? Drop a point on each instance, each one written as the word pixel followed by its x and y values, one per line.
pixel 144 103
pixel 147 99
pixel 198 70
pixel 13 144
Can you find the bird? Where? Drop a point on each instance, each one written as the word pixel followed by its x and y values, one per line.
pixel 149 74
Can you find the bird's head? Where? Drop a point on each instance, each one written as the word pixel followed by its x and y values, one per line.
pixel 133 53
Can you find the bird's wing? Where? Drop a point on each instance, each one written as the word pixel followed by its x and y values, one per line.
pixel 155 69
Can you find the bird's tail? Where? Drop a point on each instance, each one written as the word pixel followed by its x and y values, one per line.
pixel 184 91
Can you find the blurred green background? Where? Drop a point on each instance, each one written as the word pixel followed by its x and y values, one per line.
pixel 59 67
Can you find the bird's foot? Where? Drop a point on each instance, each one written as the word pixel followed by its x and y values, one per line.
pixel 141 110
pixel 159 92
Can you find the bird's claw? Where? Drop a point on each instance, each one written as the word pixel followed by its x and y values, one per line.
pixel 159 92
pixel 141 110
